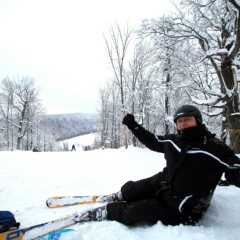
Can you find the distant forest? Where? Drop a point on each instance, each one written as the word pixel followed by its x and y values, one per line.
pixel 65 126
pixel 24 124
pixel 46 131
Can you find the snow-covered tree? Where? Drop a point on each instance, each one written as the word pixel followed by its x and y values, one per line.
pixel 211 31
pixel 20 106
pixel 117 47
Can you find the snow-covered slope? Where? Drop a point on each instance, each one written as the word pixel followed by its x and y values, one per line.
pixel 29 178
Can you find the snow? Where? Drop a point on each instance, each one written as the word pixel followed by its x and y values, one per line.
pixel 87 139
pixel 29 178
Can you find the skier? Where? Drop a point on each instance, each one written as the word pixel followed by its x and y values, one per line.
pixel 73 148
pixel 181 193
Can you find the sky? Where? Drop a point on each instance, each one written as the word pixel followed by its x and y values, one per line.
pixel 60 44
pixel 101 172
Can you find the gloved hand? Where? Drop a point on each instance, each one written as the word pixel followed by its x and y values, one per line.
pixel 129 121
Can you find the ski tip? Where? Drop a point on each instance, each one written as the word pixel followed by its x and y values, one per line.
pixel 51 202
pixel 47 204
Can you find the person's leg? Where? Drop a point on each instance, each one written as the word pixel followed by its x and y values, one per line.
pixel 142 189
pixel 148 210
pixel 133 191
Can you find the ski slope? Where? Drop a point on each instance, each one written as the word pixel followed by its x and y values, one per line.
pixel 29 178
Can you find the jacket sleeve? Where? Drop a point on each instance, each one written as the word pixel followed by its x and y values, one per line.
pixel 232 174
pixel 147 138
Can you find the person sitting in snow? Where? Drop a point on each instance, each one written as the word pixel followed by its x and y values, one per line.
pixel 182 192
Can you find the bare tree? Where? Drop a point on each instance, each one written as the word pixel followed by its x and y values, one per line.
pixel 6 109
pixel 116 46
pixel 20 106
pixel 103 121
pixel 141 81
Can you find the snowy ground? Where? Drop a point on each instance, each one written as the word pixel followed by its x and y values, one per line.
pixel 29 178
pixel 81 143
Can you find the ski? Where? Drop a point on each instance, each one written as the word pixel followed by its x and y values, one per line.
pixel 62 201
pixel 39 230
pixel 56 235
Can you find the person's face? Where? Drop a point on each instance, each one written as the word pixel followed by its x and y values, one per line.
pixel 185 122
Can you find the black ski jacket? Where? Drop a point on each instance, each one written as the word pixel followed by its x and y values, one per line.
pixel 195 159
pixel 195 162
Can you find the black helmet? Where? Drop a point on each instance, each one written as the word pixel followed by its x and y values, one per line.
pixel 188 110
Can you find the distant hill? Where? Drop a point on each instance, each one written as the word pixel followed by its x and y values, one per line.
pixel 65 126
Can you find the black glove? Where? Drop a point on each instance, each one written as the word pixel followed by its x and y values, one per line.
pixel 129 121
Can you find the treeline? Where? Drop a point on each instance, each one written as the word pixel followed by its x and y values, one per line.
pixel 48 130
pixel 24 124
pixel 189 56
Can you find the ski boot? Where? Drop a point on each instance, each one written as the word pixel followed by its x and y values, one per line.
pixel 96 214
pixel 115 197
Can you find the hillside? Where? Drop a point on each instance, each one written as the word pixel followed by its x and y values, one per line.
pixel 65 126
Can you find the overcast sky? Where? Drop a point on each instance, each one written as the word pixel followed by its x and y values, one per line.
pixel 60 44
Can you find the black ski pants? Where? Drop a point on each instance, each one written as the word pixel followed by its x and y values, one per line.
pixel 142 205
